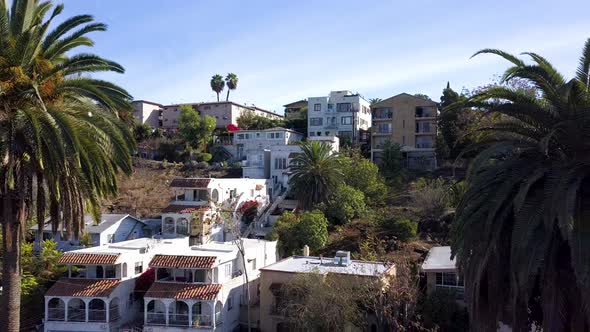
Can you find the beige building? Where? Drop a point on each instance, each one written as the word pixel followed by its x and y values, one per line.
pixel 441 272
pixel 409 121
pixel 274 276
pixel 166 116
pixel 293 110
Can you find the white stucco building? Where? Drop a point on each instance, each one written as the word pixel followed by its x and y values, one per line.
pixel 199 205
pixel 342 113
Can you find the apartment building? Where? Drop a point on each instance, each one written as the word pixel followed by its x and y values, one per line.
pixel 200 206
pixel 274 276
pixel 201 288
pixel 98 292
pixel 442 273
pixel 224 112
pixel 409 121
pixel 341 114
pixel 147 112
pixel 293 110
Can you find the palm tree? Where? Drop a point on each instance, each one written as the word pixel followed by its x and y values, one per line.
pixel 232 83
pixel 316 172
pixel 62 140
pixel 217 84
pixel 522 230
pixel 374 101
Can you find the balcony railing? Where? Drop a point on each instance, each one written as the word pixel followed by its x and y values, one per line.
pixel 178 320
pixel 56 314
pixel 76 315
pixel 114 314
pixel 331 126
pixel 156 318
pixel 202 320
pixel 97 315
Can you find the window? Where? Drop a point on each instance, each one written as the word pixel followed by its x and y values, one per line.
pixel 230 303
pixel 312 134
pixel 240 136
pixel 228 270
pixel 200 275
pixel 316 121
pixel 110 238
pixel 346 120
pixel 138 267
pixel 345 133
pixel 423 127
pixel 109 271
pixel 280 163
pixel 254 264
pixel 274 135
pixel 124 270
pixel 384 128
pixel 317 107
pixel 330 107
pixel 403 140
pixel 344 107
pixel 448 279
pixel 215 195
pixel 168 227
pixel 403 123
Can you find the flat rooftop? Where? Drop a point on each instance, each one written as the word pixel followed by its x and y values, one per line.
pixel 439 260
pixel 310 264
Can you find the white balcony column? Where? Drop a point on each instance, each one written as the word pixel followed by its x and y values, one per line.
pixel 190 312
pixel 66 301
pixel 86 306
pixel 108 307
pixel 69 271
pixel 213 315
pixel 46 309
pixel 167 305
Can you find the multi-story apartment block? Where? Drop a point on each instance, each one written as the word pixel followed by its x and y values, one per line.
pixel 293 110
pixel 341 114
pixel 200 205
pixel 224 112
pixel 274 276
pixel 97 293
pixel 409 121
pixel 201 288
pixel 147 112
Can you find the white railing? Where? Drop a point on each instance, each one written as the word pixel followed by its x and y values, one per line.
pixel 56 314
pixel 156 318
pixel 76 315
pixel 97 315
pixel 114 314
pixel 202 320
pixel 178 320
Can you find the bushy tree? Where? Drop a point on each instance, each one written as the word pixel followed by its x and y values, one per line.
pixel 196 130
pixel 293 231
pixel 441 312
pixel 252 121
pixel 142 132
pixel 362 174
pixel 391 161
pixel 345 204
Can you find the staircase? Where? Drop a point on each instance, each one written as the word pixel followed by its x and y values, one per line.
pixel 257 227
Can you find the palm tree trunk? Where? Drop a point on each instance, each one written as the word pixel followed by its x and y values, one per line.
pixel 13 217
pixel 227 98
pixel 217 96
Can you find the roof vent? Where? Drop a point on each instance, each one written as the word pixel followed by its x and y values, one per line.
pixel 342 258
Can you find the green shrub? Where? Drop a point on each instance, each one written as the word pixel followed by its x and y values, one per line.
pixel 344 205
pixel 440 311
pixel 206 157
pixel 403 229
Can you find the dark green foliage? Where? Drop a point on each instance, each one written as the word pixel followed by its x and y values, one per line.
pixel 217 84
pixel 391 161
pixel 142 132
pixel 441 311
pixel 522 225
pixel 297 230
pixel 402 229
pixel 345 204
pixel 249 120
pixel 196 130
pixel 363 175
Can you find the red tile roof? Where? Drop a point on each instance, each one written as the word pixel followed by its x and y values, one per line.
pixel 190 183
pixel 174 208
pixel 83 259
pixel 187 262
pixel 165 290
pixel 83 287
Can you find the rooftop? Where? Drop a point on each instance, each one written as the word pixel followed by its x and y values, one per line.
pixel 206 292
pixel 88 258
pixel 190 182
pixel 106 220
pixel 183 261
pixel 438 260
pixel 267 130
pixel 310 264
pixel 83 287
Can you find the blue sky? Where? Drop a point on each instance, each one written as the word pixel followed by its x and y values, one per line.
pixel 284 51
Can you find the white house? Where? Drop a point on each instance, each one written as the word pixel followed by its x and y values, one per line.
pixel 97 294
pixel 441 272
pixel 110 228
pixel 342 114
pixel 199 204
pixel 200 288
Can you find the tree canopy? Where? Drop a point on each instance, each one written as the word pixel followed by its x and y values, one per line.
pixel 252 121
pixel 196 130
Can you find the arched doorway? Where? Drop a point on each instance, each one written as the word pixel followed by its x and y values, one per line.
pixel 156 313
pixel 178 314
pixel 97 311
pixel 218 309
pixel 168 226
pixel 76 310
pixel 114 313
pixel 56 310
pixel 182 226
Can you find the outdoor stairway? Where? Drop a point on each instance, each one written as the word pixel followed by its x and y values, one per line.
pixel 257 227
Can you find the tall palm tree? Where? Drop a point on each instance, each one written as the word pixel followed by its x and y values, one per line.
pixel 374 101
pixel 522 230
pixel 217 84
pixel 316 172
pixel 62 138
pixel 232 83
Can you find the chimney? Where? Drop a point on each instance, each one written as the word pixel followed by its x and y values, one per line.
pixel 306 250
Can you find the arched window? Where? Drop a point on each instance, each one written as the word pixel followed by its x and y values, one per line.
pixel 114 313
pixel 182 226
pixel 97 311
pixel 156 312
pixel 168 227
pixel 178 314
pixel 201 314
pixel 56 310
pixel 215 195
pixel 76 310
pixel 124 270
